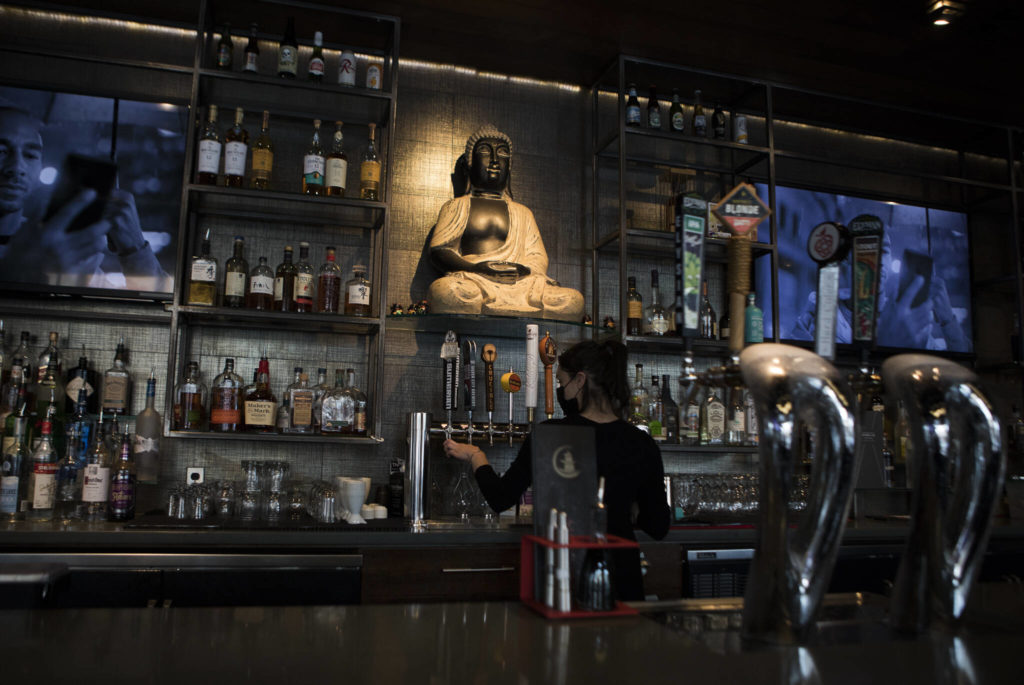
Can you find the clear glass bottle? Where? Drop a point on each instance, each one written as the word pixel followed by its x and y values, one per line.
pixel 333 413
pixel 718 123
pixel 750 419
pixel 236 152
pixel 300 404
pixel 262 156
pixel 51 351
pixel 670 412
pixel 700 120
pixel 712 419
pixel 632 107
pixel 304 277
pixel 676 117
pixel 225 49
pixel 315 67
pixel 653 110
pixel 69 488
pixel 96 477
pixel 655 411
pixel 689 405
pixel 634 308
pixel 202 283
pixel 226 400
pixel 190 400
pixel 260 406
pixel 288 52
pixel 708 322
pixel 260 293
pixel 208 154
pixel 736 424
pixel 236 275
pixel 320 390
pixel 50 401
pixel 121 505
pixel 337 164
pixel 357 400
pixel 252 51
pixel 149 429
pixel 284 283
pixel 313 164
pixel 655 317
pixel 638 401
pixel 82 378
pixel 21 360
pixel 357 293
pixel 79 429
pixel 369 169
pixel 328 287
pixel 753 328
pixel 14 471
pixel 113 436
pixel 283 415
pixel 117 383
pixel 42 485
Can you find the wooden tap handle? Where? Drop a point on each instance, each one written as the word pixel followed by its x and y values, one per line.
pixel 548 352
pixel 488 355
pixel 549 401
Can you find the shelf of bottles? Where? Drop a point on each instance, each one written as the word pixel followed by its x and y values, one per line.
pixel 308 438
pixel 286 207
pixel 499 326
pixel 660 244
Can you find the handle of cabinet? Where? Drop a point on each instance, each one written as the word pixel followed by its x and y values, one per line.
pixel 493 569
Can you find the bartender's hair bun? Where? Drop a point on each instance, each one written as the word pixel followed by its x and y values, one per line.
pixel 605 366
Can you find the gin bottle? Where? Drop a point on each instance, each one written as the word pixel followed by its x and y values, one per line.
pixel 670 412
pixel 712 419
pixel 69 486
pixel 96 478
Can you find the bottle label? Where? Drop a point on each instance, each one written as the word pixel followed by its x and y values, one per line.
pixel 278 289
pixel 677 121
pixel 261 285
pixel 700 123
pixel 635 310
pixel 303 288
pixel 359 422
pixel 287 59
pixel 259 413
pixel 369 174
pixel 716 421
pixel 373 76
pixel 262 162
pixel 654 118
pixel 739 128
pixel 316 66
pixel 142 444
pixel 44 485
pixel 754 329
pixel 313 170
pixel 224 407
pixel 7 444
pixel 251 62
pixel 633 114
pixel 302 409
pixel 9 494
pixel 347 69
pixel 115 393
pixel 78 383
pixel 204 270
pixel 337 171
pixel 223 56
pixel 359 293
pixel 209 156
pixel 96 483
pixel 737 423
pixel 122 495
pixel 234 284
pixel 234 158
pixel 690 421
pixel 659 325
pixel 724 332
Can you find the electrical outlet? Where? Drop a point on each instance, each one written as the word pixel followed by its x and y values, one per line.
pixel 195 475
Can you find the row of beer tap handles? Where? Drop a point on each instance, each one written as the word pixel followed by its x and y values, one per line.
pixel 458 359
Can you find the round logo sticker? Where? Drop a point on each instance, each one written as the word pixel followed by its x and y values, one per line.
pixel 564 462
pixel 827 242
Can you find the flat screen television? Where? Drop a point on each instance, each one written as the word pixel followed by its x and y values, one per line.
pixel 930 313
pixel 59 151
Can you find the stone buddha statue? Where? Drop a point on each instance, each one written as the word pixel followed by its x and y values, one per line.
pixel 489 246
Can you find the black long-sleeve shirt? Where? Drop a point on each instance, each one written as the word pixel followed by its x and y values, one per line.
pixel 630 462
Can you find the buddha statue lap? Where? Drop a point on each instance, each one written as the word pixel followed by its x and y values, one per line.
pixel 489 246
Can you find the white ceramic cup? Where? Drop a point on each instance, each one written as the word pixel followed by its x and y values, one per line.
pixel 352 494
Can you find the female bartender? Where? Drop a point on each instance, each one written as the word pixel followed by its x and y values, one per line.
pixel 592 391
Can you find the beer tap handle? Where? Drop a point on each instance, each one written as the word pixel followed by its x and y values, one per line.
pixel 548 354
pixel 488 355
pixel 510 383
pixel 469 377
pixel 530 379
pixel 450 363
pixel 827 245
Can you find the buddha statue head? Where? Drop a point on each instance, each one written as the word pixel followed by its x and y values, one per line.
pixel 488 162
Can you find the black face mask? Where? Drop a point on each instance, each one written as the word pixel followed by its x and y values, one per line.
pixel 570 406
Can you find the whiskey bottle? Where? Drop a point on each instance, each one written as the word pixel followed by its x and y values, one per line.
pixel 634 308
pixel 670 412
pixel 226 400
pixel 260 294
pixel 15 469
pixel 284 283
pixel 332 412
pixel 149 429
pixel 655 318
pixel 42 482
pixel 190 400
pixel 288 52
pixel 303 290
pixel 724 326
pixel 337 164
pixel 208 158
pixel 96 477
pixel 712 419
pixel 202 285
pixel 260 404
pixel 252 51
pixel 262 156
pixel 357 293
pixel 313 164
pixel 347 68
pixel 700 121
pixel 225 49
pixel 736 427
pixel 638 402
pixel 328 291
pixel 677 120
pixel 236 152
pixel 236 274
pixel 117 383
pixel 632 107
pixel 357 398
pixel 655 411
pixel 653 110
pixel 707 323
pixel 689 414
pixel 369 170
pixel 718 123
pixel 121 506
pixel 315 67
pixel 300 404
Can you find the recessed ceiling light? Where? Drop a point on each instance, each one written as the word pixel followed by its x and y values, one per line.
pixel 942 12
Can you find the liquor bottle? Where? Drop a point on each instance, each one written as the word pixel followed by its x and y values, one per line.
pixel 369 170
pixel 655 319
pixel 315 67
pixel 653 110
pixel 79 429
pixel 634 308
pixel 303 290
pixel 117 384
pixel 96 478
pixel 655 411
pixel 15 468
pixel 69 488
pixel 113 436
pixel 284 283
pixel 724 326
pixel 638 402
pixel 42 483
pixel 260 404
pixel 328 290
pixel 736 426
pixel 81 378
pixel 282 416
pixel 252 51
pixel 357 293
pixel 21 361
pixel 225 49
pixel 300 404
pixel 337 164
pixel 707 323
pixel 236 152
pixel 320 391
pixel 4 371
pixel 226 400
pixel 357 401
pixel 347 68
pixel 712 419
pixel 20 414
pixel 632 107
pixel 202 284
pixel 121 505
pixel 332 413
pixel 739 128
pixel 750 419
pixel 260 294
pixel 753 325
pixel 313 164
pixel 190 400
pixel 208 159
pixel 262 156
pixel 718 123
pixel 149 428
pixel 52 407
pixel 236 273
pixel 374 72
pixel 670 412
pixel 51 351
pixel 675 113
pixel 700 121
pixel 288 52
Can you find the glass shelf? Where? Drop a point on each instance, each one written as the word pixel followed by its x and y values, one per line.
pixel 270 205
pixel 707 449
pixel 300 321
pixel 275 437
pixel 679 150
pixel 661 244
pixel 497 326
pixel 675 345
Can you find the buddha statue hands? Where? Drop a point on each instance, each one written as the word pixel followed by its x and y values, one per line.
pixel 489 246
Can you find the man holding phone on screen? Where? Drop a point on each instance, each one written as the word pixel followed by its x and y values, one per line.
pixel 46 251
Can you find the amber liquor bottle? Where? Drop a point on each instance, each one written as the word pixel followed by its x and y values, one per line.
pixel 369 170
pixel 260 294
pixel 202 284
pixel 260 403
pixel 284 283
pixel 328 291
pixel 357 293
pixel 634 309
pixel 226 400
pixel 208 159
pixel 337 164
pixel 303 290
pixel 262 156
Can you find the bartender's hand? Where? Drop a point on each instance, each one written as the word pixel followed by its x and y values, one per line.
pixel 466 452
